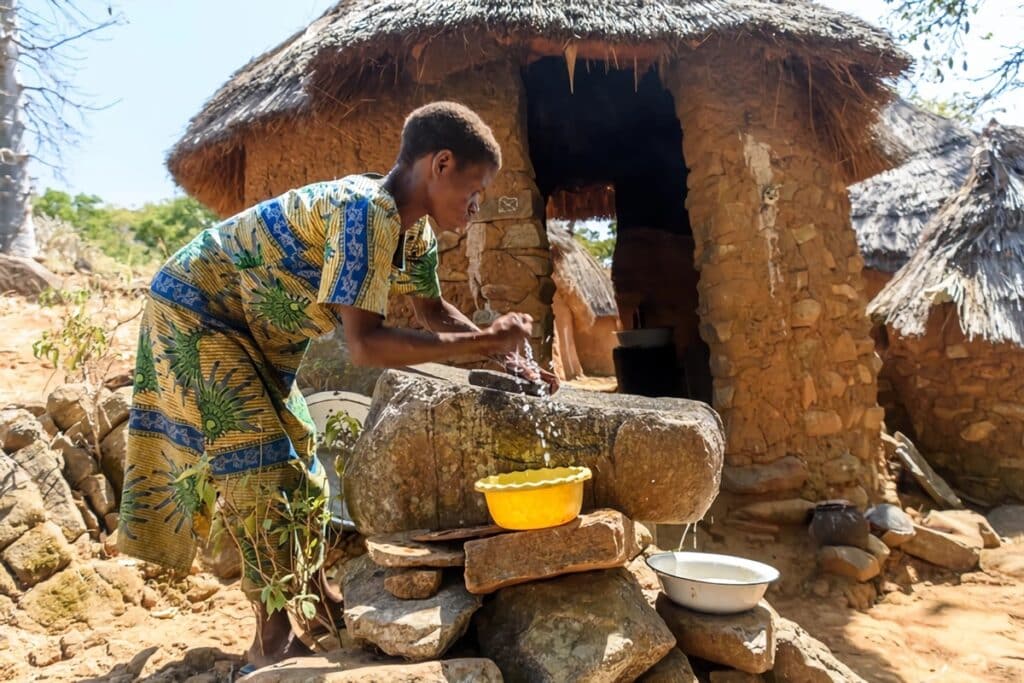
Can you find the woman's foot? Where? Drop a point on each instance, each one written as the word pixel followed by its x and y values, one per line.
pixel 274 640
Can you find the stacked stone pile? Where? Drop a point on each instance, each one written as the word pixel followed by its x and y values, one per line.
pixel 73 449
pixel 59 573
pixel 946 539
pixel 570 603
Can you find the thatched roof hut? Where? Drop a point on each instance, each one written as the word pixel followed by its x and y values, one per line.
pixel 955 320
pixel 724 131
pixel 890 210
pixel 586 316
pixel 363 45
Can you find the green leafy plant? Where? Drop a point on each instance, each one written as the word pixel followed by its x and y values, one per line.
pixel 81 343
pixel 296 520
pixel 341 431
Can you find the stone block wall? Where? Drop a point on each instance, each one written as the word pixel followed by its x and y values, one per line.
pixel 502 262
pixel 965 400
pixel 782 303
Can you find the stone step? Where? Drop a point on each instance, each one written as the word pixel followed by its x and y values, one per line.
pixel 598 540
pixel 399 550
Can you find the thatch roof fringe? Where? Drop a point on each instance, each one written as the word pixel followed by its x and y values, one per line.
pixel 890 210
pixel 579 276
pixel 972 254
pixel 359 39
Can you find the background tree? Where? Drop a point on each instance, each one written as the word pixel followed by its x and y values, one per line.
pixel 132 237
pixel 941 26
pixel 40 110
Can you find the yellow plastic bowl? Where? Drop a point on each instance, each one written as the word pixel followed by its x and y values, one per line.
pixel 534 499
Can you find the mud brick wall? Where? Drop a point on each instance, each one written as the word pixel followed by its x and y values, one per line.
pixel 782 301
pixel 965 400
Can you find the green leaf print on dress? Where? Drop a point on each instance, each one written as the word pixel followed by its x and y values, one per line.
pixel 281 308
pixel 181 350
pixel 145 368
pixel 132 502
pixel 423 275
pixel 244 257
pixel 222 407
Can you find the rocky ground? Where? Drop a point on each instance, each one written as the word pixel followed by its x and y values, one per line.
pixel 110 618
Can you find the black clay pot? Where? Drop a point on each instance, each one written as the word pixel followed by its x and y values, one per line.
pixel 838 522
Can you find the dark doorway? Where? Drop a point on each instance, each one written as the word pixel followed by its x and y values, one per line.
pixel 620 130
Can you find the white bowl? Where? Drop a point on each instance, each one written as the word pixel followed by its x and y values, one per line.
pixel 706 582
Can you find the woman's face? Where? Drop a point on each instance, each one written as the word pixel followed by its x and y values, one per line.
pixel 455 191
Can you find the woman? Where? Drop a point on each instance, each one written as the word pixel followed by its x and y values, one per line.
pixel 216 412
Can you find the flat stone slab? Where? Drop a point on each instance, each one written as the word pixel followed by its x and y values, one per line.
pixel 744 641
pixel 417 630
pixel 413 584
pixel 853 563
pixel 595 627
pixel 598 540
pixel 464 534
pixel 930 481
pixel 800 658
pixel 942 549
pixel 967 524
pixel 785 474
pixel 348 666
pixel 430 436
pixel 399 550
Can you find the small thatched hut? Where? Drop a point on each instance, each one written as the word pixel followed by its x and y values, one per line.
pixel 890 210
pixel 736 125
pixel 955 320
pixel 586 316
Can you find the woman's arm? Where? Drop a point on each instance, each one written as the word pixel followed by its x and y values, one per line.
pixel 372 344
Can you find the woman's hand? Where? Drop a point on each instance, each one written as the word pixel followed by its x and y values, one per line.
pixel 509 332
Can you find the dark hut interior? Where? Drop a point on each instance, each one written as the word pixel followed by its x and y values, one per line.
pixel 606 142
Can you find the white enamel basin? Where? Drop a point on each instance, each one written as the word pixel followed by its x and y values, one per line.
pixel 321 406
pixel 706 582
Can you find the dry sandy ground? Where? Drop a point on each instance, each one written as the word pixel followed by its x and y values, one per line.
pixel 939 631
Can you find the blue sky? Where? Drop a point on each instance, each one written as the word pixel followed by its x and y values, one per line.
pixel 160 67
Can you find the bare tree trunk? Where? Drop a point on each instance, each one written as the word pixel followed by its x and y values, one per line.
pixel 17 232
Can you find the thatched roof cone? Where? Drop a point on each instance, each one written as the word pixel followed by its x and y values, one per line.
pixel 890 210
pixel 358 45
pixel 579 276
pixel 972 254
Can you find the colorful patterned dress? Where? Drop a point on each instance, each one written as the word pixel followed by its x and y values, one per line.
pixel 228 320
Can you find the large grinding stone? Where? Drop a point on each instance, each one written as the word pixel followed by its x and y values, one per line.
pixel 430 435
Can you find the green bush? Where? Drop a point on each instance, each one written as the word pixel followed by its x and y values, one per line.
pixel 130 236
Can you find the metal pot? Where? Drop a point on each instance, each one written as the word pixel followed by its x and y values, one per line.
pixel 839 522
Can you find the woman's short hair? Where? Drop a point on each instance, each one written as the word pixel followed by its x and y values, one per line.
pixel 452 126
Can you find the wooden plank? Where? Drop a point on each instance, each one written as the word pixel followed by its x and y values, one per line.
pixel 449 535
